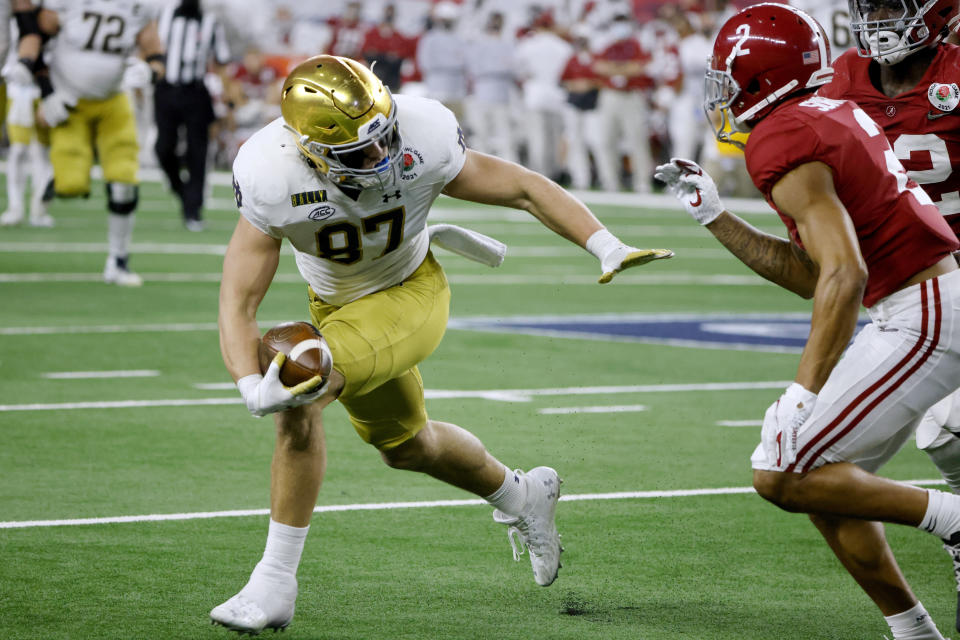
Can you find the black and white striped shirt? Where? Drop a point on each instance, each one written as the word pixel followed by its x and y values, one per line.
pixel 190 42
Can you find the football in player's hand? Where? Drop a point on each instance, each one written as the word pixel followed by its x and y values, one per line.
pixel 306 351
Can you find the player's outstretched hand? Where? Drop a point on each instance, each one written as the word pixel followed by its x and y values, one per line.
pixel 624 257
pixel 689 183
pixel 55 108
pixel 266 394
pixel 782 422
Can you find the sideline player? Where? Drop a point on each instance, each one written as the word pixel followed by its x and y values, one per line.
pixel 88 112
pixel 348 175
pixel 908 85
pixel 860 231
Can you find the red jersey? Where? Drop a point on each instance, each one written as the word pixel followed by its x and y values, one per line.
pixel 923 124
pixel 627 50
pixel 899 230
pixel 579 67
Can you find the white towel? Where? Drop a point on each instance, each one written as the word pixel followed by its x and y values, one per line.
pixel 469 244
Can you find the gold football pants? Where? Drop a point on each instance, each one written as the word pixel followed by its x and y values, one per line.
pixel 377 342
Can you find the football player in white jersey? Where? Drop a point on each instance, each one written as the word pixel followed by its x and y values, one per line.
pixel 347 175
pixel 88 112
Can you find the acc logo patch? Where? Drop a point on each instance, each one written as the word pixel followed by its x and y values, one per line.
pixel 944 97
pixel 411 163
pixel 307 197
pixel 321 213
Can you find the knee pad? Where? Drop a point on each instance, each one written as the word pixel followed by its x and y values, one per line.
pixel 122 197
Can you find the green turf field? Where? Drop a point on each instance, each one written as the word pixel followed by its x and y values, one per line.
pixel 643 559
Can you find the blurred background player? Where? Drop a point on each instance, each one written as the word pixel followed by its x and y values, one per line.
pixel 372 165
pixel 860 233
pixel 28 155
pixel 540 57
pixel 490 66
pixel 442 59
pixel 582 85
pixel 88 113
pixel 905 77
pixel 624 106
pixel 192 39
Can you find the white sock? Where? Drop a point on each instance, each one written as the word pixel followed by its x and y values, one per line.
pixel 119 233
pixel 942 518
pixel 277 570
pixel 16 176
pixel 512 494
pixel 947 459
pixel 913 624
pixel 40 173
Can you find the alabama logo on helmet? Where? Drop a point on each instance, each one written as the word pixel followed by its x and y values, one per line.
pixel 944 97
pixel 411 163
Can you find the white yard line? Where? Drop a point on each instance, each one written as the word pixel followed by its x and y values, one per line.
pixel 488 279
pixel 616 408
pixel 501 395
pixel 89 375
pixel 739 423
pixel 381 506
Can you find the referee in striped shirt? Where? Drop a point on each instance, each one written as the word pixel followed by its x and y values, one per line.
pixel 181 100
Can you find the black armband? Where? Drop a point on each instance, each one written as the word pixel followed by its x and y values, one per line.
pixel 28 22
pixel 29 63
pixel 46 87
pixel 156 57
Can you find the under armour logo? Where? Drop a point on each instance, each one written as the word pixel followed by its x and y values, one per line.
pixel 396 194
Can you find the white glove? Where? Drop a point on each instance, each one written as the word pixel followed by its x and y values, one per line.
pixel 693 187
pixel 17 73
pixel 137 74
pixel 266 394
pixel 615 256
pixel 782 422
pixel 55 108
pixel 21 98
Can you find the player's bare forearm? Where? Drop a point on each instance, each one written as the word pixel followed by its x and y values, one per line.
pixel 248 267
pixel 772 257
pixel 491 180
pixel 836 305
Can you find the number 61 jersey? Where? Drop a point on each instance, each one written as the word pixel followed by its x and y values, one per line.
pixel 346 248
pixel 922 124
pixel 88 56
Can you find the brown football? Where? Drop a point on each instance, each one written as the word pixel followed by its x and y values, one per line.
pixel 301 342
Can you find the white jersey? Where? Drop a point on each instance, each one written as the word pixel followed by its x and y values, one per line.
pixel 349 248
pixel 88 56
pixel 834 17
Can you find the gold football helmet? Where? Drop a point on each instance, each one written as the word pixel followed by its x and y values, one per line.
pixel 344 120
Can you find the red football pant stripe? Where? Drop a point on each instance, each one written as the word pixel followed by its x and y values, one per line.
pixel 879 383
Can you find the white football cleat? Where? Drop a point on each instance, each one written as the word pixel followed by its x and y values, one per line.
pixel 535 528
pixel 43 219
pixel 116 272
pixel 243 615
pixel 11 218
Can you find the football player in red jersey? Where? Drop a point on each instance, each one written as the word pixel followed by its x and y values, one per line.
pixel 906 79
pixel 860 231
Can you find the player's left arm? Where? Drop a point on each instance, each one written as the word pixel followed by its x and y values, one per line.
pixel 807 195
pixel 152 49
pixel 490 180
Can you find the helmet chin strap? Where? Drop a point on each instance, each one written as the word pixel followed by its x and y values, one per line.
pixel 770 99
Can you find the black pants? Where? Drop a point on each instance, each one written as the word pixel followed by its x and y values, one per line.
pixel 190 106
